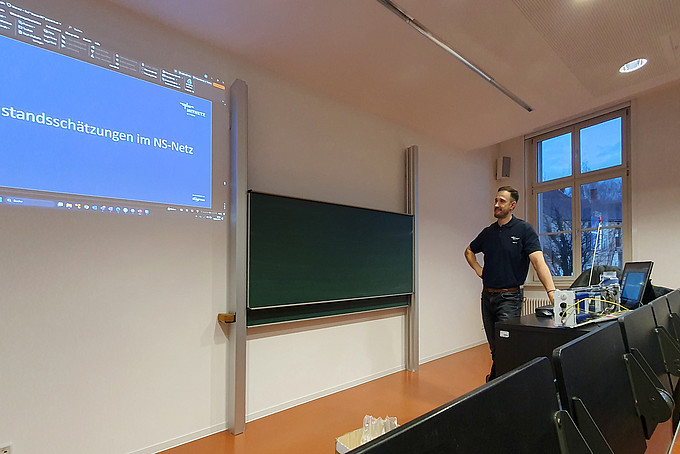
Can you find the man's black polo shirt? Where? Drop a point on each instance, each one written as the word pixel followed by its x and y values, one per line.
pixel 506 252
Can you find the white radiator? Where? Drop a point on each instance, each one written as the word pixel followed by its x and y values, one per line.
pixel 530 304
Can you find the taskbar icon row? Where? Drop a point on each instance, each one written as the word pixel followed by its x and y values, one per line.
pixel 71 205
pixel 90 207
pixel 118 209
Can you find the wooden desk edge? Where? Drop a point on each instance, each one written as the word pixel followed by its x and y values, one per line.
pixel 226 318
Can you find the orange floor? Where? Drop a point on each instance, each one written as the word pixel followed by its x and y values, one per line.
pixel 313 427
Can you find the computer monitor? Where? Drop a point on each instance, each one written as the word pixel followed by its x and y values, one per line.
pixel 634 280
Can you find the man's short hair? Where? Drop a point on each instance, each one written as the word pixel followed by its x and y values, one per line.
pixel 513 192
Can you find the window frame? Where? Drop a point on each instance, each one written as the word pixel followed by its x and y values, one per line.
pixel 576 180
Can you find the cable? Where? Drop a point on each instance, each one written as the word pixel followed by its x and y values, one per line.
pixel 571 307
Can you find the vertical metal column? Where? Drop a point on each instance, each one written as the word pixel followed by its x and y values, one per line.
pixel 412 321
pixel 237 253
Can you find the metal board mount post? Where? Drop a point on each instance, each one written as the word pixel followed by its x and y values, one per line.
pixel 238 236
pixel 412 321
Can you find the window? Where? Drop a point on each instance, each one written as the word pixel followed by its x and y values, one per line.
pixel 579 205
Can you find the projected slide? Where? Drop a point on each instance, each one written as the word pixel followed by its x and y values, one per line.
pixel 71 127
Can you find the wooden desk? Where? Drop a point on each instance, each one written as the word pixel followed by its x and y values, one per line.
pixel 524 338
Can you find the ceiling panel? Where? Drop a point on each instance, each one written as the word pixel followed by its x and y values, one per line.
pixel 560 57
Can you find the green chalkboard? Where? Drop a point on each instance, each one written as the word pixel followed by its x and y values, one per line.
pixel 303 252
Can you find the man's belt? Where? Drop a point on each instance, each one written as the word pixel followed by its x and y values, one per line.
pixel 500 290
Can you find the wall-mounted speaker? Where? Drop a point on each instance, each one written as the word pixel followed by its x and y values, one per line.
pixel 503 167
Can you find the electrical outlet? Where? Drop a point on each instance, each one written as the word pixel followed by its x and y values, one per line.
pixel 6 449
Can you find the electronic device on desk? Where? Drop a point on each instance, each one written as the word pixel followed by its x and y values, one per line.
pixel 604 301
pixel 634 281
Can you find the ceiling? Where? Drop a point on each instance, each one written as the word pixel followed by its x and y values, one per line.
pixel 559 57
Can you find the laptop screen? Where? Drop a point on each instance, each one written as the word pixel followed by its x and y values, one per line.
pixel 633 282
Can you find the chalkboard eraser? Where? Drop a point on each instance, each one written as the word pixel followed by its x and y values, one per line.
pixel 226 318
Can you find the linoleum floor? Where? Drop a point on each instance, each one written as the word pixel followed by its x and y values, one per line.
pixel 313 427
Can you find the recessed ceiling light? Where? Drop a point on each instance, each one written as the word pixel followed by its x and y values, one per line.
pixel 633 65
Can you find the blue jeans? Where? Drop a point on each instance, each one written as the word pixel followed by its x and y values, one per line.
pixel 497 307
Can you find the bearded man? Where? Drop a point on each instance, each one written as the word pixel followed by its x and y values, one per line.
pixel 508 246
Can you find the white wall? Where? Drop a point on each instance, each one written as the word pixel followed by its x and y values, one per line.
pixel 108 340
pixel 108 334
pixel 655 184
pixel 456 203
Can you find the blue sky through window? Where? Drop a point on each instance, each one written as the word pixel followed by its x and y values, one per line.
pixel 554 158
pixel 600 148
pixel 601 145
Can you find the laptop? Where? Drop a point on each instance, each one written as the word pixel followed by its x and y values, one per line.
pixel 634 280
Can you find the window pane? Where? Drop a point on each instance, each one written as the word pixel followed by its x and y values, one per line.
pixel 554 158
pixel 601 198
pixel 557 250
pixel 601 145
pixel 609 248
pixel 554 211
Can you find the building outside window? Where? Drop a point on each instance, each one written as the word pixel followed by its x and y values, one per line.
pixel 579 180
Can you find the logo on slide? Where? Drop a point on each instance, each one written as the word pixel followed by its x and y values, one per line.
pixel 191 110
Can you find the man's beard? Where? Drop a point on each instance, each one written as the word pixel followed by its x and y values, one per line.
pixel 501 213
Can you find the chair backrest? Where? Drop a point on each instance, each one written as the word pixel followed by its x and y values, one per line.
pixel 637 328
pixel 592 368
pixel 662 316
pixel 662 313
pixel 511 414
pixel 674 301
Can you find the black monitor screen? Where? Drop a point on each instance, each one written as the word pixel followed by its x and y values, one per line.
pixel 633 282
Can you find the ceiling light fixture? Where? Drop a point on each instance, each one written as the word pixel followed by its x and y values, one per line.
pixel 633 65
pixel 441 43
